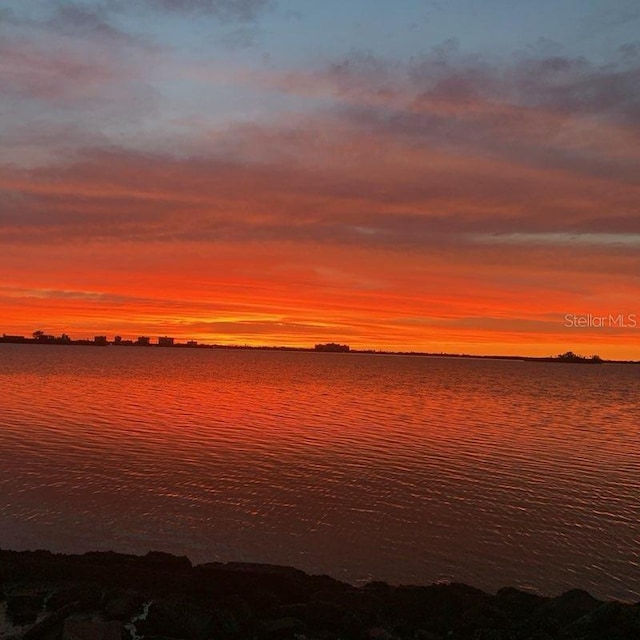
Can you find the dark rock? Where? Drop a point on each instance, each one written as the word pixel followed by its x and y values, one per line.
pixel 88 595
pixel 163 618
pixel 436 608
pixel 122 605
pixel 263 569
pixel 263 602
pixel 281 628
pixel 200 623
pixel 240 609
pixel 324 615
pixel 517 603
pixel 353 626
pixel 491 634
pixel 537 624
pixel 51 625
pixel 482 617
pixel 167 562
pixel 376 586
pixel 299 610
pixel 181 619
pixel 327 583
pixel 421 634
pixel 223 580
pixel 613 619
pixel 540 635
pixel 361 600
pixel 238 601
pixel 635 622
pixel 92 630
pixel 24 609
pixel 568 607
pixel 225 623
pixel 378 633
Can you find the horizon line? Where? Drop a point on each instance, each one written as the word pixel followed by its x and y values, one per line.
pixel 145 341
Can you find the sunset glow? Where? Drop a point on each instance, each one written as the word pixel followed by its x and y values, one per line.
pixel 283 173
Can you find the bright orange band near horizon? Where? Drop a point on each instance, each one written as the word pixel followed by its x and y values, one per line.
pixel 395 302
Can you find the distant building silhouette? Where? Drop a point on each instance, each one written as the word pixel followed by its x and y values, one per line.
pixel 143 341
pixel 41 336
pixel 166 341
pixel 117 340
pixel 570 356
pixel 332 346
pixel 6 338
pixel 101 341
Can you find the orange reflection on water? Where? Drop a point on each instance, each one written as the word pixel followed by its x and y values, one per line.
pixel 405 469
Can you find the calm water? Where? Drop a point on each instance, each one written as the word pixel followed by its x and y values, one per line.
pixel 403 469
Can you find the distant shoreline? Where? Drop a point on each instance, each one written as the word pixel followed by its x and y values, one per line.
pixel 196 345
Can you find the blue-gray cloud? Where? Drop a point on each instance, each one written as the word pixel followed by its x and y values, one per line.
pixel 228 10
pixel 71 18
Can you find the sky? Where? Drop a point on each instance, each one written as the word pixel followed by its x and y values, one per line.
pixel 444 176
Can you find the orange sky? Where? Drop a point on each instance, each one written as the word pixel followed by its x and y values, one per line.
pixel 446 201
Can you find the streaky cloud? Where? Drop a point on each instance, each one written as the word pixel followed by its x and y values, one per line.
pixel 227 10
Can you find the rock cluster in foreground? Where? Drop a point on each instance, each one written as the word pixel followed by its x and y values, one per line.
pixel 109 596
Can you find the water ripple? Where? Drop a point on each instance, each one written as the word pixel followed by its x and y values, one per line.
pixel 402 469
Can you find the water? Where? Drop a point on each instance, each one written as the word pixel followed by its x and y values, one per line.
pixel 409 470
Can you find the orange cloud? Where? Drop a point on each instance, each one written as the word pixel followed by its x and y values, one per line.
pixel 285 294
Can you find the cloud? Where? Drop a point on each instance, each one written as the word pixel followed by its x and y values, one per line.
pixel 576 86
pixel 383 195
pixel 91 21
pixel 226 10
pixel 60 74
pixel 48 63
pixel 279 327
pixel 60 95
pixel 446 152
pixel 609 17
pixel 17 292
pixel 544 109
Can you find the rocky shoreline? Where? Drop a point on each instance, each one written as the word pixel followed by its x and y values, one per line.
pixel 110 596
